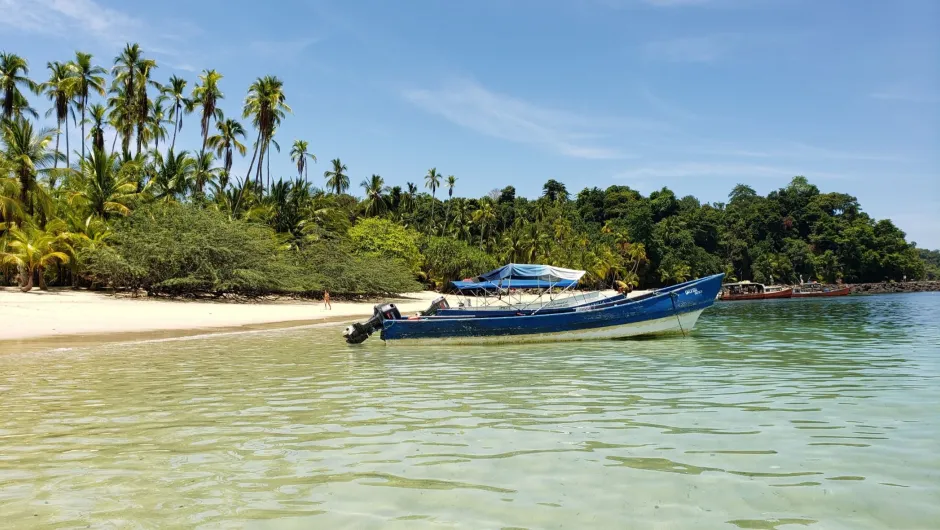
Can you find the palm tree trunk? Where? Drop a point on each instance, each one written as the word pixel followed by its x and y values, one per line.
pixel 68 160
pixel 114 142
pixel 254 154
pixel 176 120
pixel 26 280
pixel 269 172
pixel 84 99
pixel 58 135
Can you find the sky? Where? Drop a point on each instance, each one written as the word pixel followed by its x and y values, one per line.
pixel 696 95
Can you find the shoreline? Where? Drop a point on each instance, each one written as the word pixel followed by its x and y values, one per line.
pixel 67 318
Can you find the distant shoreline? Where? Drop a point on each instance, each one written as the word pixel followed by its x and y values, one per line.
pixel 895 287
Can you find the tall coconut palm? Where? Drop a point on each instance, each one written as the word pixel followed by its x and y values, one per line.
pixel 86 78
pixel 408 197
pixel 206 95
pixel 31 250
pixel 432 181
pixel 142 102
pixel 226 142
pixel 100 188
pixel 375 200
pixel 28 155
pixel 266 105
pixel 451 182
pixel 299 153
pixel 156 126
pixel 99 117
pixel 336 179
pixel 14 74
pixel 175 92
pixel 58 88
pixel 121 118
pixel 128 87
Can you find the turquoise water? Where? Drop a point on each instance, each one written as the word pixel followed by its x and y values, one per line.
pixel 782 414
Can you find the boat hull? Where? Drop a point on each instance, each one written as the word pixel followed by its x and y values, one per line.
pixel 785 293
pixel 660 326
pixel 844 291
pixel 667 311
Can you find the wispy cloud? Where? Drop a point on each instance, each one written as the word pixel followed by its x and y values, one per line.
pixel 702 49
pixel 795 150
pixel 55 16
pixel 719 169
pixel 906 92
pixel 471 105
pixel 282 49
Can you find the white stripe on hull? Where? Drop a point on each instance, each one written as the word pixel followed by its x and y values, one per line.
pixel 635 329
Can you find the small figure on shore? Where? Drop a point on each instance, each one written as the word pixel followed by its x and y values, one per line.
pixel 326 300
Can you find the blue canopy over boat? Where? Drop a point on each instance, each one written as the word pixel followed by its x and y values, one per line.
pixel 522 276
pixel 515 284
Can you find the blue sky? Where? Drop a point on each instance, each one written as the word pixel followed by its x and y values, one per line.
pixel 697 95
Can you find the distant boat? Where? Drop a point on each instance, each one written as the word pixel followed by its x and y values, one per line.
pixel 670 309
pixel 753 291
pixel 815 289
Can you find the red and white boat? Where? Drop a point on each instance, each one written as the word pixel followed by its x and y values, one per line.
pixel 814 289
pixel 754 291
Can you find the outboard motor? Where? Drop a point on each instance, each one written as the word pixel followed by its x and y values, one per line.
pixel 359 332
pixel 439 303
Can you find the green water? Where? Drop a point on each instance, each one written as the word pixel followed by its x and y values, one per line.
pixel 784 414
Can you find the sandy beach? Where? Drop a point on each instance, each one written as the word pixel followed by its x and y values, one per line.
pixel 68 313
pixel 69 318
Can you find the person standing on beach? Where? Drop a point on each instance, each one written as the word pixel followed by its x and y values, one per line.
pixel 326 300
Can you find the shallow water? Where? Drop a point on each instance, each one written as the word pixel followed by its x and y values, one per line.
pixel 820 413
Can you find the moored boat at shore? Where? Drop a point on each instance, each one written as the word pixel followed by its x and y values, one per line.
pixel 670 309
pixel 747 290
pixel 814 290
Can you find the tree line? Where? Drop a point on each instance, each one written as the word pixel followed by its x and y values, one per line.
pixel 147 213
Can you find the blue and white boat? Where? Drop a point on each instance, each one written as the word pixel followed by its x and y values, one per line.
pixel 673 309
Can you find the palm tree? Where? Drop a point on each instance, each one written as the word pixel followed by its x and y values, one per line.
pixel 375 201
pixel 408 198
pixel 142 102
pixel 34 249
pixel 59 90
pixel 131 73
pixel 431 181
pixel 156 129
pixel 266 105
pixel 451 182
pixel 226 142
pixel 175 92
pixel 101 187
pixel 299 153
pixel 206 95
pixel 121 118
pixel 484 216
pixel 336 179
pixel 204 173
pixel 99 117
pixel 172 175
pixel 86 78
pixel 28 155
pixel 14 71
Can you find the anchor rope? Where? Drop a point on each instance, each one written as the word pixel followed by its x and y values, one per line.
pixel 673 295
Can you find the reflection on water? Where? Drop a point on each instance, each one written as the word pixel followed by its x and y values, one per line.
pixel 805 413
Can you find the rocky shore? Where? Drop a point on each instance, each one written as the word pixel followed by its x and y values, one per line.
pixel 895 287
